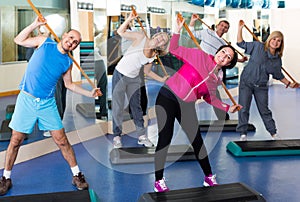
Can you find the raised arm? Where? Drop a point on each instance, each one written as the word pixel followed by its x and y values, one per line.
pixel 239 34
pixel 24 39
pixel 183 53
pixel 123 29
pixel 197 33
pixel 150 73
pixel 193 20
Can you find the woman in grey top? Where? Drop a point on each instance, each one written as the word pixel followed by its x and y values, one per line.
pixel 265 60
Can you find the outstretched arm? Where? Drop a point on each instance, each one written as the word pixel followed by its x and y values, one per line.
pixel 77 88
pixel 149 72
pixel 289 83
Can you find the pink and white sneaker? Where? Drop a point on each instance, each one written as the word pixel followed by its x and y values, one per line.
pixel 210 181
pixel 160 186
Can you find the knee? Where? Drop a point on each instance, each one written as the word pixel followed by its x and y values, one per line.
pixel 62 142
pixel 60 138
pixel 16 139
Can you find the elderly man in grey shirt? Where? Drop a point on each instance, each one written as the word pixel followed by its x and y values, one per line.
pixel 210 42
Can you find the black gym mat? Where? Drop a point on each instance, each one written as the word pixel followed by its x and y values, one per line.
pixel 4 126
pixel 5 136
pixel 221 125
pixel 86 109
pixel 72 196
pixel 265 147
pixel 5 131
pixel 146 155
pixel 228 192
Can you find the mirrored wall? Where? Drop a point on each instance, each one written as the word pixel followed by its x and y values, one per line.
pixel 14 17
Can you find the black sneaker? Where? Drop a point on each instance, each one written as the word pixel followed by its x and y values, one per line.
pixel 5 185
pixel 79 182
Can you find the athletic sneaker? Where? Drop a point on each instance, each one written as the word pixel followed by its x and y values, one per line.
pixel 5 185
pixel 160 186
pixel 144 140
pixel 276 137
pixel 243 137
pixel 79 182
pixel 210 181
pixel 46 134
pixel 117 142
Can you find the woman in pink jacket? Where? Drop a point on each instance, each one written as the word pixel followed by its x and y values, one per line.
pixel 198 78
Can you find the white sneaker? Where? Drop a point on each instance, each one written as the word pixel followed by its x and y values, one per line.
pixel 117 142
pixel 152 131
pixel 143 140
pixel 46 134
pixel 276 137
pixel 243 137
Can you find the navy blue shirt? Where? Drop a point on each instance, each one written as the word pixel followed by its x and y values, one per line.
pixel 260 65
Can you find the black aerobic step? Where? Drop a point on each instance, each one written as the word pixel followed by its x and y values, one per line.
pixel 86 109
pixel 5 136
pixel 264 147
pixel 5 131
pixel 146 155
pixel 222 193
pixel 74 196
pixel 221 125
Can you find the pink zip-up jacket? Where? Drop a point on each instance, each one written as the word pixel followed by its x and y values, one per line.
pixel 196 78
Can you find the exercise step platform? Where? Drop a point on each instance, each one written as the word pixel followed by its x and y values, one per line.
pixel 80 196
pixel 5 131
pixel 226 192
pixel 146 155
pixel 86 109
pixel 9 111
pixel 5 136
pixel 5 126
pixel 221 125
pixel 264 147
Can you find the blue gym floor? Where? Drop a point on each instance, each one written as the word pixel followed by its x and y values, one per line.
pixel 275 177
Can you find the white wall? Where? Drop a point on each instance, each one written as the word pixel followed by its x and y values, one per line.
pixel 233 17
pixel 11 75
pixel 285 20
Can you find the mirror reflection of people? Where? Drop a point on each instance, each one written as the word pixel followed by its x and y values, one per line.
pixel 36 103
pixel 101 78
pixel 126 81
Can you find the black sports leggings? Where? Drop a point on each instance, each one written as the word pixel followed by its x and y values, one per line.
pixel 168 107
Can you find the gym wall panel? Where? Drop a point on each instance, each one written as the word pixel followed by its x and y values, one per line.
pixel 285 20
pixel 11 75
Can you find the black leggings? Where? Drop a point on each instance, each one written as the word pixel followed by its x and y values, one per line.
pixel 168 108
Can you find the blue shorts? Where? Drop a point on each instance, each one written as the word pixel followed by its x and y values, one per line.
pixel 30 110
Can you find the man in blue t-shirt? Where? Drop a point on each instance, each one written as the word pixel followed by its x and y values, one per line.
pixel 36 102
